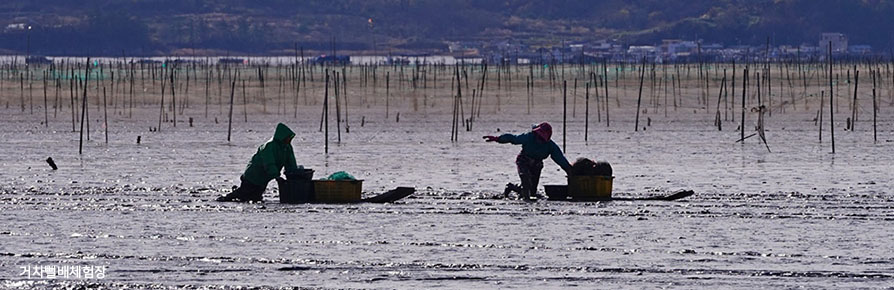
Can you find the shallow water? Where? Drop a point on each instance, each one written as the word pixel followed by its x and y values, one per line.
pixel 798 217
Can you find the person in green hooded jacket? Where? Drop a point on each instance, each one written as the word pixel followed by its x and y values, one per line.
pixel 266 165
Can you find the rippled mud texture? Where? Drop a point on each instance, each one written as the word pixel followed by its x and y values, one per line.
pixel 796 217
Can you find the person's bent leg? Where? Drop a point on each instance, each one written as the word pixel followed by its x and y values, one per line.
pixel 251 191
pixel 536 168
pixel 246 191
pixel 525 173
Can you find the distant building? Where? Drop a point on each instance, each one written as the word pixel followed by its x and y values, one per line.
pixel 16 27
pixel 675 47
pixel 603 45
pixel 712 46
pixel 809 50
pixel 838 40
pixel 860 49
pixel 641 50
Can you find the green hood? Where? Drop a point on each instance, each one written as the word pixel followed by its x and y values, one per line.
pixel 271 157
pixel 282 132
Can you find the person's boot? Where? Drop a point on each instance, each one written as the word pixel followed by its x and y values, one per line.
pixel 232 196
pixel 254 198
pixel 525 194
pixel 535 194
pixel 510 187
pixel 229 197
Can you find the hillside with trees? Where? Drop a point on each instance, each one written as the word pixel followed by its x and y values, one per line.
pixel 160 27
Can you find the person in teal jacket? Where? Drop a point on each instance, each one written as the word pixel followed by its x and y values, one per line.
pixel 265 165
pixel 536 146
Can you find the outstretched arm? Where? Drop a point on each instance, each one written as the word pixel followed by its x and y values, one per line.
pixel 291 165
pixel 509 138
pixel 559 158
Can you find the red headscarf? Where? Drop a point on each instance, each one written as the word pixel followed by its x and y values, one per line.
pixel 544 131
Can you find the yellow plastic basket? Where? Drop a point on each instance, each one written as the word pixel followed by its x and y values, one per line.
pixel 337 191
pixel 590 187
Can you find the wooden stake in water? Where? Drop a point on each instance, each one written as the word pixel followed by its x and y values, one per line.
pixel 46 109
pixel 232 97
pixel 854 108
pixel 344 92
pixel 831 108
pixel 564 112
pixel 105 113
pixel 335 82
pixel 71 91
pixel 574 100
pixel 263 90
pixel 161 109
pixel 22 90
pixel 453 116
pixel 84 108
pixel 587 113
pixel 326 114
pixel 605 86
pixel 58 86
pixel 744 90
pixel 244 102
pixel 717 121
pixel 31 91
pixel 387 93
pixel 874 109
pixel 173 98
pixel 820 113
pixel 207 87
pixel 639 99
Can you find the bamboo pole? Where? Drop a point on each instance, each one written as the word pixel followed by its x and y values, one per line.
pixel 717 121
pixel 874 109
pixel 207 89
pixel 57 85
pixel 106 114
pixel 587 112
pixel 173 97
pixel 820 114
pixel 46 109
pixel 344 92
pixel 84 108
pixel 387 93
pixel 831 108
pixel 564 113
pixel 854 107
pixel 232 101
pixel 71 81
pixel 336 86
pixel 22 89
pixel 326 114
pixel 161 108
pixel 639 99
pixel 245 101
pixel 744 90
pixel 605 87
pixel 31 91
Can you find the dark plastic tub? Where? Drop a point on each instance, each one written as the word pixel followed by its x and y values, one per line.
pixel 556 192
pixel 298 188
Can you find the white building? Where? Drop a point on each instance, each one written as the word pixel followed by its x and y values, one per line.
pixel 838 40
pixel 641 50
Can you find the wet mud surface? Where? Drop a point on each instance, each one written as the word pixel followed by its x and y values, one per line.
pixel 798 217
